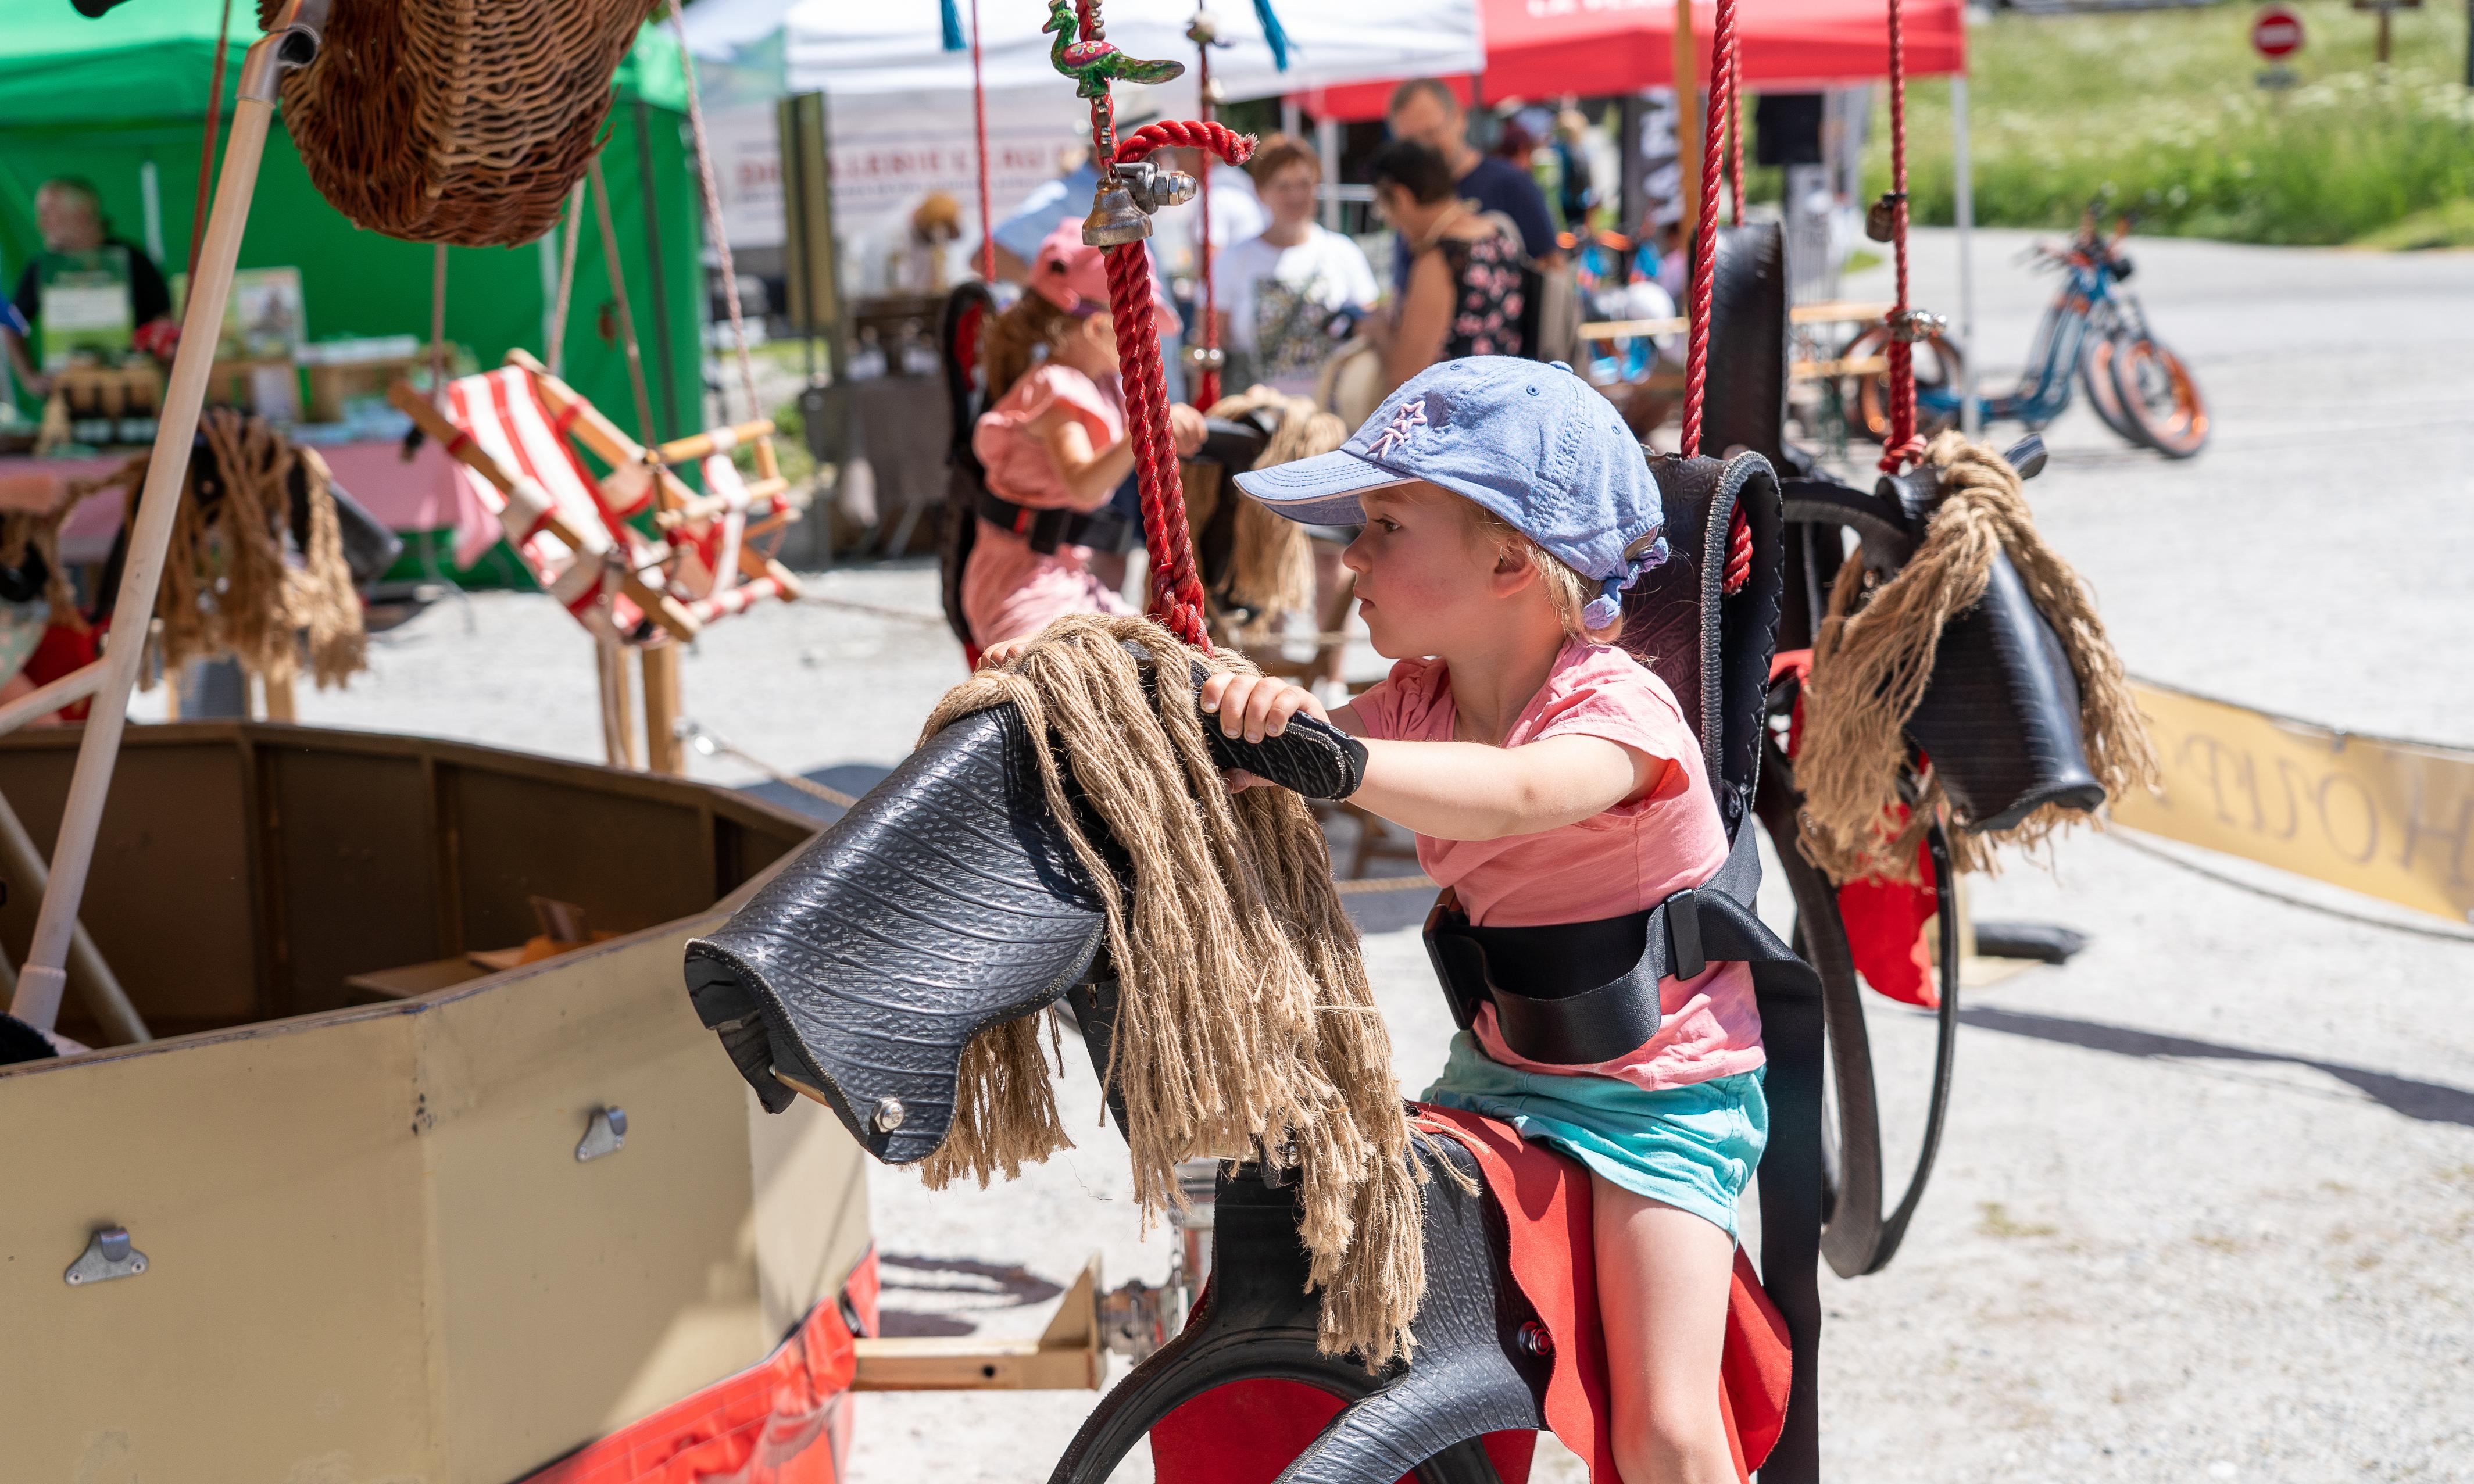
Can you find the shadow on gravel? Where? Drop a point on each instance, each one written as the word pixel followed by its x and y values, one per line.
pixel 2424 1102
pixel 975 1287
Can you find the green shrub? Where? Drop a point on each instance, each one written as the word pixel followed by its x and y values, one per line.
pixel 2160 113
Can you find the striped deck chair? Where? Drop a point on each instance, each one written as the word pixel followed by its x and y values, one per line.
pixel 516 431
pixel 551 501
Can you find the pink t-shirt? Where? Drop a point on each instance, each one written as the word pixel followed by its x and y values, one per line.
pixel 1626 860
pixel 1017 461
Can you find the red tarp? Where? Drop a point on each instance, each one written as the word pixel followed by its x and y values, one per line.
pixel 1541 49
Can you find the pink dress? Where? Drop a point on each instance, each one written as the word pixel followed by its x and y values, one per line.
pixel 1009 589
pixel 1630 858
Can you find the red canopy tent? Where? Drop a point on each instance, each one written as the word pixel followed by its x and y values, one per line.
pixel 1539 49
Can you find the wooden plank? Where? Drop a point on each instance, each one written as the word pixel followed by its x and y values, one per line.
pixel 1065 1357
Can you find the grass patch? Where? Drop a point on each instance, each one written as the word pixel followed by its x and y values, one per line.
pixel 1994 1219
pixel 2159 111
pixel 2447 226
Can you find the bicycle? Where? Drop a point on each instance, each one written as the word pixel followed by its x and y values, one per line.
pixel 2095 334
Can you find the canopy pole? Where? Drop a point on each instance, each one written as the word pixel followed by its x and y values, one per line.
pixel 1328 146
pixel 1970 415
pixel 292 44
pixel 1687 118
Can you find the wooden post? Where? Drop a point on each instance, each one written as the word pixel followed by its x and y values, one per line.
pixel 661 751
pixel 279 699
pixel 619 738
pixel 1687 118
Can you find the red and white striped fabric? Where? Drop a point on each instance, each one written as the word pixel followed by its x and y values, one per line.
pixel 708 552
pixel 502 412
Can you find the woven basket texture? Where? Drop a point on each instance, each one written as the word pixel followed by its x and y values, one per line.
pixel 458 121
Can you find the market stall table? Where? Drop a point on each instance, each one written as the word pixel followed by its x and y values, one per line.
pixel 422 495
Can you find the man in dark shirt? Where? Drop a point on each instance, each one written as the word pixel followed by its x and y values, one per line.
pixel 69 212
pixel 1426 110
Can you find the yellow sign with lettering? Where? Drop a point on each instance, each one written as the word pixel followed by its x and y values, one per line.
pixel 2390 819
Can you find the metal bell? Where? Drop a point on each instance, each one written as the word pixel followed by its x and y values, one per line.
pixel 1881 217
pixel 1115 218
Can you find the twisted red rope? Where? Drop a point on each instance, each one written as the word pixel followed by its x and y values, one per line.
pixel 1901 445
pixel 1185 133
pixel 1704 247
pixel 1725 71
pixel 1177 592
pixel 1177 587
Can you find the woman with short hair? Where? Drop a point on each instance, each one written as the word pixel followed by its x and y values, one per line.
pixel 1463 295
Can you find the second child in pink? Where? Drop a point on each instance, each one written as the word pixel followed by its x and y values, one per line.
pixel 1054 439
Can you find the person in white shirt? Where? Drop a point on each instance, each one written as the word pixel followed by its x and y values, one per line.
pixel 1280 292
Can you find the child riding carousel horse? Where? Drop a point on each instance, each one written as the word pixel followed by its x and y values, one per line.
pixel 1551 780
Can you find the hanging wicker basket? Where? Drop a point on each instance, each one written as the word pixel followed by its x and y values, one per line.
pixel 457 121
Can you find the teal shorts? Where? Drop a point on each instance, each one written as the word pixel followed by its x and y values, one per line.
pixel 1692 1147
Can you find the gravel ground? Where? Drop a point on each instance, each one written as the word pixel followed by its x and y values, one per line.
pixel 2206 1205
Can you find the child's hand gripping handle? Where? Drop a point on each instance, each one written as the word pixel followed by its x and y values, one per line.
pixel 1309 757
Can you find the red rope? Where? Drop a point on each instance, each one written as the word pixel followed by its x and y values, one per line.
pixel 1177 592
pixel 1901 445
pixel 1219 140
pixel 1704 249
pixel 979 123
pixel 1176 588
pixel 206 158
pixel 1725 71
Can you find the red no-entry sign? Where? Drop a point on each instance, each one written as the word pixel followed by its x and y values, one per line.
pixel 2276 32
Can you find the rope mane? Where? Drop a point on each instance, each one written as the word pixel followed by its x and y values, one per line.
pixel 1246 1018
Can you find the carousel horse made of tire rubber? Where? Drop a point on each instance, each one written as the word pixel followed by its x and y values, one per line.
pixel 945 902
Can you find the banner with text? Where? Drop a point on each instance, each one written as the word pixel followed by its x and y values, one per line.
pixel 2390 819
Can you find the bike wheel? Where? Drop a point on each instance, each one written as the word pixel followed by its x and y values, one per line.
pixel 2160 398
pixel 2098 359
pixel 1937 367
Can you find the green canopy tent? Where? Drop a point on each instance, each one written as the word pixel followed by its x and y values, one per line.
pixel 107 99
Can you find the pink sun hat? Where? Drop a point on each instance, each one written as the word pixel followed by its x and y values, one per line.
pixel 1070 274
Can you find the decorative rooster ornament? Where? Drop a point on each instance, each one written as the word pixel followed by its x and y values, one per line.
pixel 1094 64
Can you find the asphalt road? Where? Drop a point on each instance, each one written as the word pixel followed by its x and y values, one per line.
pixel 2206 1206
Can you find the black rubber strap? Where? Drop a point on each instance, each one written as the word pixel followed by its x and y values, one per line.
pixel 1101 530
pixel 1575 994
pixel 1860 1238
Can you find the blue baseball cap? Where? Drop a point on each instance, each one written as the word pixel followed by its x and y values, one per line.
pixel 1527 440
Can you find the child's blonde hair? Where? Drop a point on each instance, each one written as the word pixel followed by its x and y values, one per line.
pixel 1567 589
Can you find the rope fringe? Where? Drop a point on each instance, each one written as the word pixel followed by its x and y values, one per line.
pixel 1270 568
pixel 1874 657
pixel 227 585
pixel 1246 1018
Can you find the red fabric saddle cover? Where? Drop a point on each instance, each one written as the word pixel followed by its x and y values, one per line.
pixel 1246 1433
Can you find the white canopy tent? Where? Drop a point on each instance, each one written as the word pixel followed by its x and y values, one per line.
pixel 838 47
pixel 899 105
